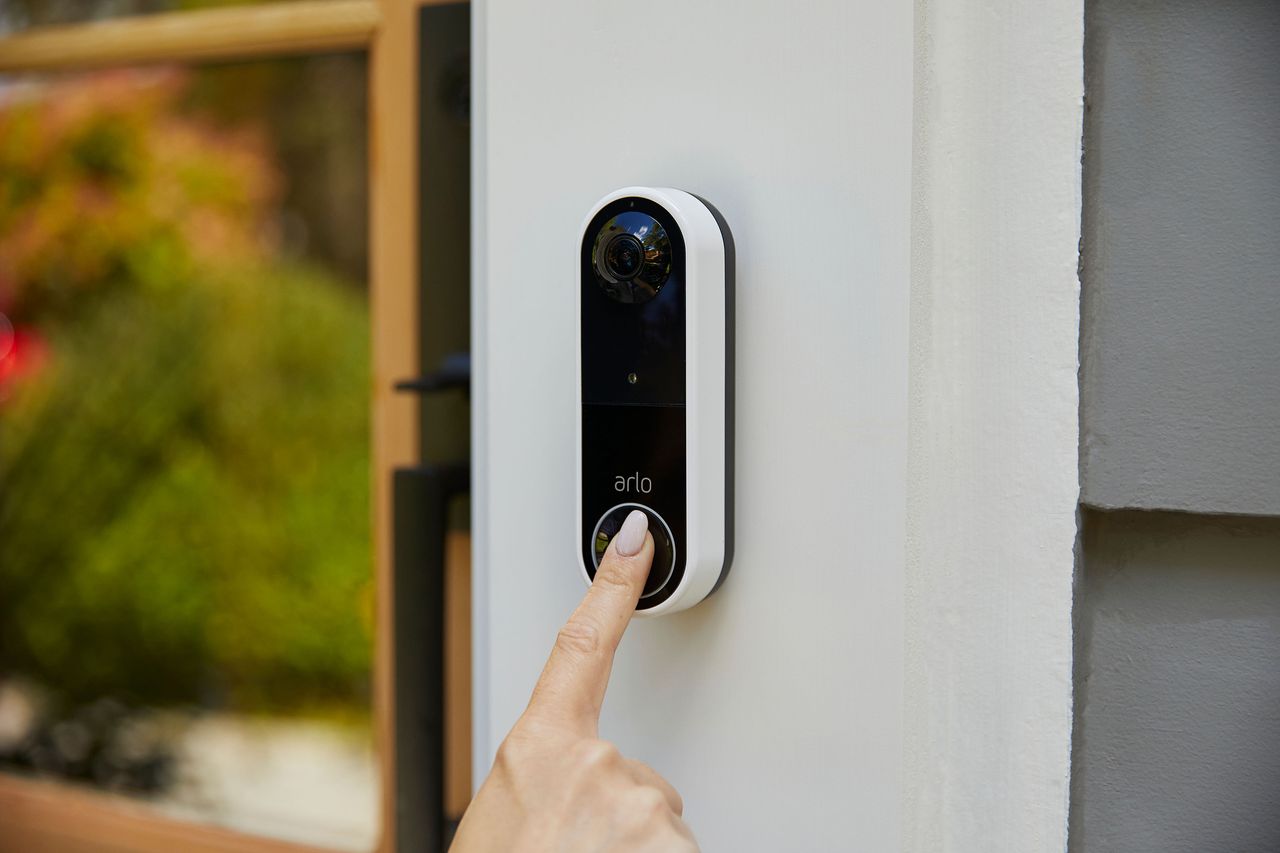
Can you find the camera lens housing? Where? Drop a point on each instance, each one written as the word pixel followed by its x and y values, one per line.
pixel 631 257
pixel 623 257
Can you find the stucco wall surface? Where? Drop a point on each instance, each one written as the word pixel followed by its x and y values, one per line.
pixel 774 707
pixel 888 667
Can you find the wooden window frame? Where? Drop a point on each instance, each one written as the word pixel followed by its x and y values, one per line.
pixel 48 816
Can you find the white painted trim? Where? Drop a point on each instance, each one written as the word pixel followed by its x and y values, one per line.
pixel 481 748
pixel 993 440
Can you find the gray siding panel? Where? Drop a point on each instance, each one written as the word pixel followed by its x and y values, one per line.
pixel 1177 740
pixel 1180 353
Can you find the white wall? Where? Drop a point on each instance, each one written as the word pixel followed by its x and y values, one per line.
pixel 993 451
pixel 778 707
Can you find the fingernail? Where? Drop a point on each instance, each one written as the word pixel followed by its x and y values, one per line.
pixel 630 538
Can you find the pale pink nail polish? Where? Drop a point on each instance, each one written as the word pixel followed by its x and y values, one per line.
pixel 630 538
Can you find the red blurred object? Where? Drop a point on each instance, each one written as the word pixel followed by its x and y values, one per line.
pixel 22 354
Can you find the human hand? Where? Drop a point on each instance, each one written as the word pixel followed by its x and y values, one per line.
pixel 555 786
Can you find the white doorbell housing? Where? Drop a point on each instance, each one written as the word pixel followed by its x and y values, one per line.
pixel 655 430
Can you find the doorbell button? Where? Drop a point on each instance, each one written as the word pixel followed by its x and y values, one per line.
pixel 664 547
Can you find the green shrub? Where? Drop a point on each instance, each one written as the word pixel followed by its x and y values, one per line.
pixel 184 472
pixel 184 514
pixel 105 185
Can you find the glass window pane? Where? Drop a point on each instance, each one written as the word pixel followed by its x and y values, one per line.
pixel 21 14
pixel 186 582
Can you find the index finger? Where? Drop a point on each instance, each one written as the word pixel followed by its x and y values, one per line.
pixel 573 683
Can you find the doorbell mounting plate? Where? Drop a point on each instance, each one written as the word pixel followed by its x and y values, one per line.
pixel 655 381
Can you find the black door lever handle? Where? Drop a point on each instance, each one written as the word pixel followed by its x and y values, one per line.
pixel 454 373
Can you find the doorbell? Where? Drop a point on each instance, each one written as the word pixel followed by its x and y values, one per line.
pixel 655 427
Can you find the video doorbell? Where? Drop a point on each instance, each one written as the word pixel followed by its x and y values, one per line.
pixel 655 428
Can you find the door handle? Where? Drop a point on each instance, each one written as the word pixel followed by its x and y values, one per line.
pixel 421 498
pixel 421 522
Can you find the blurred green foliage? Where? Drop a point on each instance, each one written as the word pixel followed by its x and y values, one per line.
pixel 184 478
pixel 17 14
pixel 103 186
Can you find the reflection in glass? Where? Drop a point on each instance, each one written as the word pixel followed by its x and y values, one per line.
pixel 185 571
pixel 22 14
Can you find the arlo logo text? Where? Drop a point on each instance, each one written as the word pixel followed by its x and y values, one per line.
pixel 634 483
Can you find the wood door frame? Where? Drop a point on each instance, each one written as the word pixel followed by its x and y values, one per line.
pixel 54 817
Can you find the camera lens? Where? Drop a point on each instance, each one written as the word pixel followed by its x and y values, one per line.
pixel 623 257
pixel 631 257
